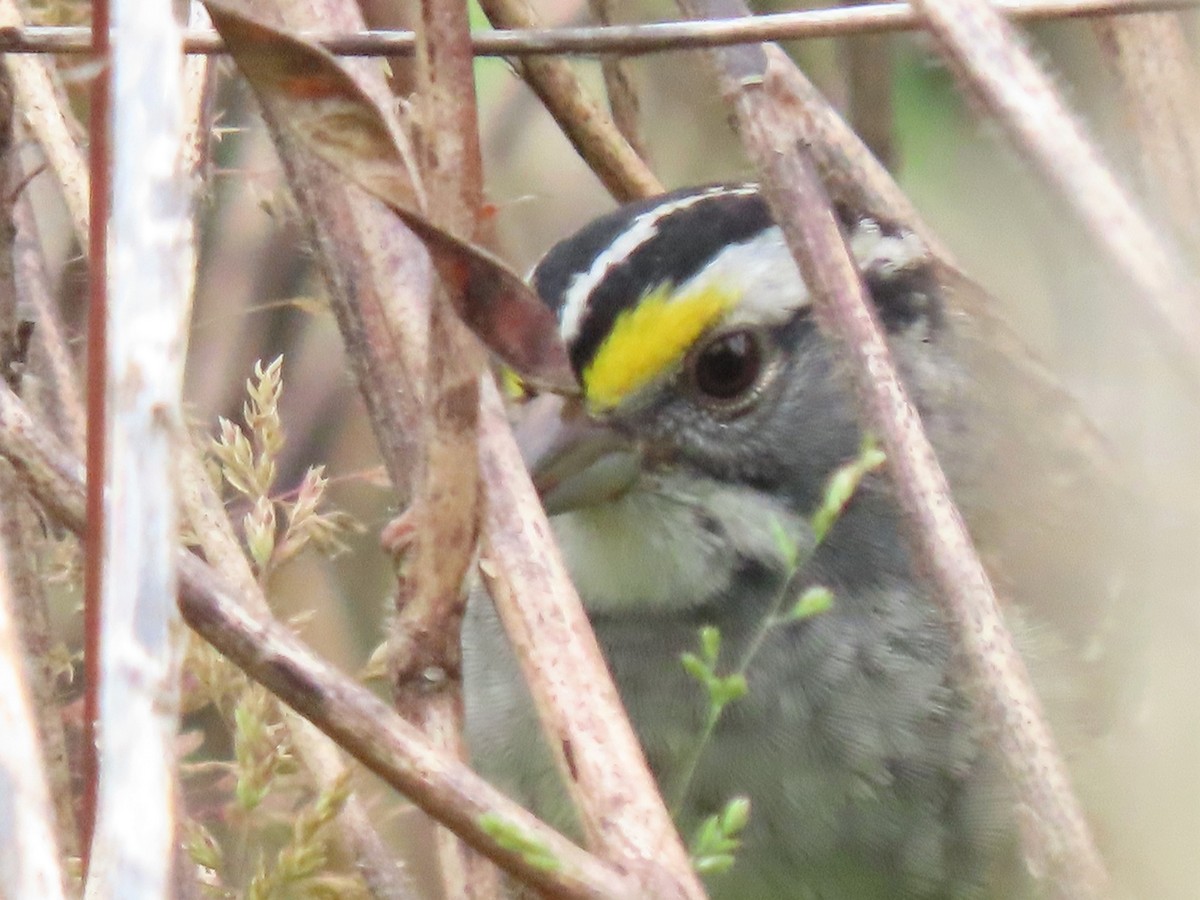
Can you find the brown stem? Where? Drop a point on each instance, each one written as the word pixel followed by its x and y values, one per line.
pixel 20 529
pixel 380 296
pixel 588 128
pixel 49 118
pixel 763 109
pixel 622 95
pixel 657 37
pixel 358 721
pixel 1160 92
pixel 99 202
pixel 867 62
pixel 425 652
pixel 598 754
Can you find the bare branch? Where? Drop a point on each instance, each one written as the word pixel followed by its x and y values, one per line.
pixel 34 283
pixel 619 804
pixel 1160 93
pixel 622 95
pixel 44 110
pixel 29 858
pixel 588 128
pixel 96 381
pixel 20 529
pixel 344 710
pixel 867 61
pixel 772 134
pixel 426 644
pixel 598 754
pixel 631 40
pixel 152 264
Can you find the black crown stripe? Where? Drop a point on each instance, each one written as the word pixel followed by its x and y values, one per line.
pixel 683 242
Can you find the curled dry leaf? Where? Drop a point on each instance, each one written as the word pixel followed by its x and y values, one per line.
pixel 308 93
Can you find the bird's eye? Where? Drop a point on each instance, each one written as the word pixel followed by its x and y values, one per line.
pixel 727 368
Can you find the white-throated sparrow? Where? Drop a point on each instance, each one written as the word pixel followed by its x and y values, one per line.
pixel 713 414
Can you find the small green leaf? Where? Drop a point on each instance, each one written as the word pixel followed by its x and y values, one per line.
pixel 736 815
pixel 696 667
pixel 713 864
pixel 817 599
pixel 710 644
pixel 718 838
pixel 787 546
pixel 842 486
pixel 725 690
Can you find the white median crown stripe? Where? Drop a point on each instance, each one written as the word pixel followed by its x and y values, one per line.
pixel 640 232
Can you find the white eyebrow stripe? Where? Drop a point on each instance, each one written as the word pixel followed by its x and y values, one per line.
pixel 764 275
pixel 885 255
pixel 641 231
pixel 769 285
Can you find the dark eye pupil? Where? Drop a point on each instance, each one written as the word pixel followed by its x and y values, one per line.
pixel 728 366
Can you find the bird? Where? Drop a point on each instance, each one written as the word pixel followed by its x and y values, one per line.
pixel 682 486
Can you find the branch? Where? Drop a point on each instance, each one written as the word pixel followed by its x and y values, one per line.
pixel 44 110
pixel 764 109
pixel 629 40
pixel 425 648
pixel 152 258
pixel 1160 89
pixel 20 528
pixel 587 126
pixel 29 857
pixel 597 751
pixel 343 709
pixel 607 774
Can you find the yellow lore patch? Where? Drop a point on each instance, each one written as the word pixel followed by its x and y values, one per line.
pixel 648 339
pixel 512 384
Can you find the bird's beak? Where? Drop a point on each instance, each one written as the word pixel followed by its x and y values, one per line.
pixel 573 460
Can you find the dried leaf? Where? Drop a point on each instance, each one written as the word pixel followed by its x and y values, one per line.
pixel 305 90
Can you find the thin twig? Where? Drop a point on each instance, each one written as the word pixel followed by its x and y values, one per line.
pixel 384 876
pixel 425 652
pixel 369 260
pixel 867 61
pixel 622 95
pixel 99 205
pixel 629 40
pixel 30 865
pixel 33 281
pixel 589 129
pixel 376 271
pixel 387 285
pixel 20 528
pixel 763 108
pixel 350 714
pixel 47 115
pixel 1160 91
